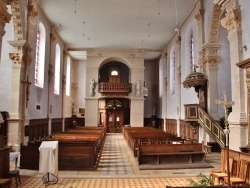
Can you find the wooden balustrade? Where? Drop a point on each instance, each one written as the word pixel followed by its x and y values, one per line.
pixel 106 88
pixel 187 131
pixel 171 126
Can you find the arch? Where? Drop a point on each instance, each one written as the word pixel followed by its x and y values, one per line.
pixel 17 20
pixel 214 28
pixel 122 69
pixel 117 59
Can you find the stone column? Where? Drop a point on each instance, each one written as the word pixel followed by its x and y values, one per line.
pixel 4 18
pixel 237 118
pixel 19 96
pixel 211 60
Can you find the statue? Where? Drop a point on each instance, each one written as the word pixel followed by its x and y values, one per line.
pixel 138 88
pixel 92 87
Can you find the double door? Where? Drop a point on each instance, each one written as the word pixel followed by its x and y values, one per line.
pixel 114 121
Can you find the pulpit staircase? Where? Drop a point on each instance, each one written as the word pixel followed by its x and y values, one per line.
pixel 197 116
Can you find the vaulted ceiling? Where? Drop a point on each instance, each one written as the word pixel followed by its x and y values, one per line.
pixel 119 24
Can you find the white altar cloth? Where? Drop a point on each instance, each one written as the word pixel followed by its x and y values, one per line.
pixel 15 156
pixel 48 162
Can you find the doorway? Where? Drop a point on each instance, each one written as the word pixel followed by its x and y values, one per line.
pixel 114 114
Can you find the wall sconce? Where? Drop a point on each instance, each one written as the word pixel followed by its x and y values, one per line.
pixel 244 48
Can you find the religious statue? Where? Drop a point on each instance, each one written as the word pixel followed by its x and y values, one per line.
pixel 138 88
pixel 92 87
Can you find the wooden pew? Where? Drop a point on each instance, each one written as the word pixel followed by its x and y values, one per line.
pixel 77 150
pixel 136 136
pixel 170 153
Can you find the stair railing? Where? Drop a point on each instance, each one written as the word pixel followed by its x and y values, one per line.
pixel 194 113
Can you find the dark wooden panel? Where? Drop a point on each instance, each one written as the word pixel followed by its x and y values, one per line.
pixel 4 162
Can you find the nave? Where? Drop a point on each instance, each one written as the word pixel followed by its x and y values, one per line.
pixel 117 169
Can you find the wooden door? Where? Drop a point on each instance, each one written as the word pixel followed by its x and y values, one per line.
pixel 114 121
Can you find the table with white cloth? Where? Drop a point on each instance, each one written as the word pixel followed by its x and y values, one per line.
pixel 15 156
pixel 48 162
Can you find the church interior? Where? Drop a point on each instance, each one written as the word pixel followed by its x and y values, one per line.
pixel 131 94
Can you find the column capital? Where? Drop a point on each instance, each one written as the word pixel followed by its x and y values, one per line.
pixel 232 20
pixel 20 53
pixel 178 40
pixel 209 54
pixel 199 15
pixel 32 9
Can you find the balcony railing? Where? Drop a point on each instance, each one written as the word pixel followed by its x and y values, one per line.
pixel 111 88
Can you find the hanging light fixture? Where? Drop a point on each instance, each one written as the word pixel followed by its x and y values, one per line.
pixel 148 29
pixel 75 6
pixel 159 11
pixel 83 28
pixel 176 18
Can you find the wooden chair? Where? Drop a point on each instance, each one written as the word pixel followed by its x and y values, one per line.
pixel 15 174
pixel 220 175
pixel 242 173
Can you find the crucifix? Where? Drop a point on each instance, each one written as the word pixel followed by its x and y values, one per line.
pixel 226 104
pixel 27 83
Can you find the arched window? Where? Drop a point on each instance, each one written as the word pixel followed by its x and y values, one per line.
pixel 172 71
pixel 192 51
pixel 40 56
pixel 57 70
pixel 114 73
pixel 68 77
pixel 161 77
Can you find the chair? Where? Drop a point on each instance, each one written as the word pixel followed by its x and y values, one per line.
pixel 241 177
pixel 15 173
pixel 220 175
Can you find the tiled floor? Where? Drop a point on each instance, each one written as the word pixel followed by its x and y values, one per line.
pixel 117 169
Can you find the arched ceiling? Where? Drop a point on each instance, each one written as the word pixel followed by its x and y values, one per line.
pixel 124 24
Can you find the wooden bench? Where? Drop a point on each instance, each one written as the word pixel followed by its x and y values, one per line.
pixel 77 150
pixel 136 136
pixel 5 182
pixel 170 153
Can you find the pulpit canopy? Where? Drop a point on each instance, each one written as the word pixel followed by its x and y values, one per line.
pixel 195 79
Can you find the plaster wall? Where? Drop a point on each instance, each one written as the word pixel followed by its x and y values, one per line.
pixel 6 66
pixel 51 107
pixel 244 7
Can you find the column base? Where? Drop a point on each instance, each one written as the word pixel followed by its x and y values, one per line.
pixel 237 136
pixel 237 118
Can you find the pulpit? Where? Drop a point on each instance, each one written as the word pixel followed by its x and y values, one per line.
pixel 48 163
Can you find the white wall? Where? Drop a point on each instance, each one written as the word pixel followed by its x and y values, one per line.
pixel 6 66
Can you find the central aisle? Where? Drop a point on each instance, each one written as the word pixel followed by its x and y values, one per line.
pixel 116 157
